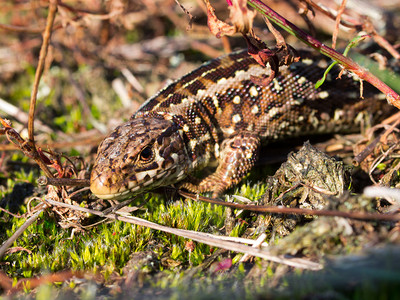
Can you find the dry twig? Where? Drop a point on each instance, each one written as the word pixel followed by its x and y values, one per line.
pixel 40 208
pixel 294 210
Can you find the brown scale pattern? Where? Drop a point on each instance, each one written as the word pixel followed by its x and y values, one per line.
pixel 217 114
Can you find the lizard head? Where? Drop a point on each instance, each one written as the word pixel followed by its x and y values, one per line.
pixel 139 155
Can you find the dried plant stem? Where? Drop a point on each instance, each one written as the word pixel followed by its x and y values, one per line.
pixel 40 67
pixel 20 28
pixel 392 97
pixel 43 180
pixel 337 23
pixel 38 74
pixel 20 230
pixel 295 210
pixel 201 237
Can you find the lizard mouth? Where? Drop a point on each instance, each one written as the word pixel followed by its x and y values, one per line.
pixel 107 194
pixel 117 187
pixel 102 187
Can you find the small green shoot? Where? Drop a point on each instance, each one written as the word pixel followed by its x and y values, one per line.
pixel 354 42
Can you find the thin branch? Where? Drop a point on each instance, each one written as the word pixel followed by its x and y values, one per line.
pixel 337 23
pixel 294 210
pixel 43 180
pixel 367 151
pixel 10 213
pixel 38 74
pixel 40 67
pixel 20 230
pixel 332 14
pixel 20 28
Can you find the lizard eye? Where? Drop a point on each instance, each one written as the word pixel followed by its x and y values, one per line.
pixel 146 154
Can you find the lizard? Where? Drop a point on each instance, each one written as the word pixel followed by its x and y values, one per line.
pixel 218 115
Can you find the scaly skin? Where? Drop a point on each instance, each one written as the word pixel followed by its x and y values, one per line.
pixel 217 114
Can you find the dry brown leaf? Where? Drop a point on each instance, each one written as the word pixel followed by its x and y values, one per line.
pixel 216 26
pixel 240 17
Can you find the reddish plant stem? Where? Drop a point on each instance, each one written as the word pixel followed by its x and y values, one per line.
pixel 391 96
pixel 361 216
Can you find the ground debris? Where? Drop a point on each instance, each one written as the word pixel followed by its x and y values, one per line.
pixel 334 236
pixel 310 179
pixel 304 180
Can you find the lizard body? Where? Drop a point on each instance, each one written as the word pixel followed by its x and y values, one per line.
pixel 218 114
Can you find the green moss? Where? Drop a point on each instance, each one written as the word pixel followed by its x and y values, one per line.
pixel 107 247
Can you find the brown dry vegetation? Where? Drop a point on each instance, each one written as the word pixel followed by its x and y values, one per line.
pixel 104 59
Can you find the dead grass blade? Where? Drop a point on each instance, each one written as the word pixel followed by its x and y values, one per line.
pixel 41 207
pixel 205 238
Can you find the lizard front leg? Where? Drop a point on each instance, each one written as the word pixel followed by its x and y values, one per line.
pixel 237 157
